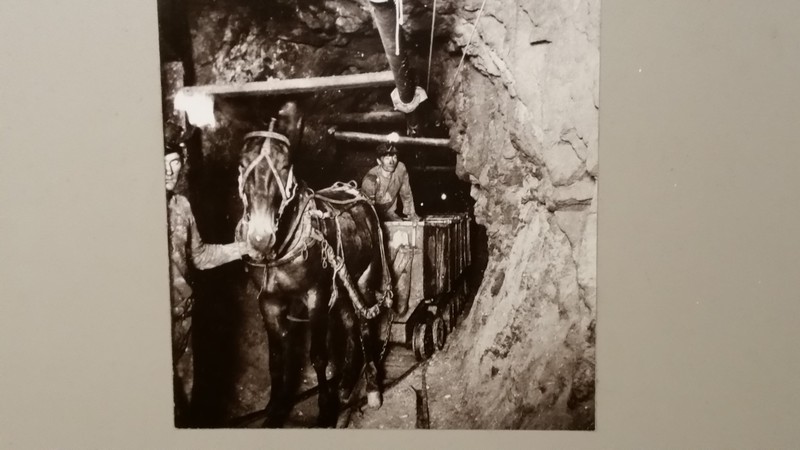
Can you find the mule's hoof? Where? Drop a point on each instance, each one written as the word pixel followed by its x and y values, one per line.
pixel 374 399
pixel 344 419
pixel 344 396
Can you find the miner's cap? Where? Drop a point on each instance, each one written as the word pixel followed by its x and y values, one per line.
pixel 175 142
pixel 171 147
pixel 386 149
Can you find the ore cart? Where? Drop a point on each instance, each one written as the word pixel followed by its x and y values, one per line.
pixel 428 260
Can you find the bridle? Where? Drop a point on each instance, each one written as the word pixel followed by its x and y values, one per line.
pixel 288 191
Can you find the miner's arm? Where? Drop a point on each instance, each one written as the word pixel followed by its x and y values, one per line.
pixel 406 196
pixel 369 187
pixel 207 256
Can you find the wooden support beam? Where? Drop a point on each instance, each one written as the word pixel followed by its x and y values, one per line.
pixel 448 169
pixel 371 118
pixel 295 85
pixel 352 136
pixel 365 167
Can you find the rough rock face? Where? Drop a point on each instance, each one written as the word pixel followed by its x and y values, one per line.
pixel 524 118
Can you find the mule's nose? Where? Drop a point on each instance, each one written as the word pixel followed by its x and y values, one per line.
pixel 262 241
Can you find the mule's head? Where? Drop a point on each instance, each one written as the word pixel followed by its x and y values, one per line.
pixel 266 185
pixel 266 180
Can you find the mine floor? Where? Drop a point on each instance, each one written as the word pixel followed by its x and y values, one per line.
pixel 399 363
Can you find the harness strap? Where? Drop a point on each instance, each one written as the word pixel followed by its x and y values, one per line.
pixel 286 191
pixel 301 214
pixel 298 246
pixel 339 269
pixel 349 188
pixel 268 135
pixel 299 249
pixel 336 261
pixel 266 147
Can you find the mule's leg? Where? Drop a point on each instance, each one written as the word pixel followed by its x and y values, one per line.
pixel 350 357
pixel 317 301
pixel 275 318
pixel 371 356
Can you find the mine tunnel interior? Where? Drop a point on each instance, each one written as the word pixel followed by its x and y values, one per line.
pixel 514 88
pixel 231 378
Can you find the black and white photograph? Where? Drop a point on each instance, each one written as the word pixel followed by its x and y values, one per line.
pixel 381 214
pixel 234 224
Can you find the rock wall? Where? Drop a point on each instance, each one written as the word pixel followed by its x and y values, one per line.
pixel 524 116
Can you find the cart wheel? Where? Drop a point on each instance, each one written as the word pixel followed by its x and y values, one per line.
pixel 422 341
pixel 437 329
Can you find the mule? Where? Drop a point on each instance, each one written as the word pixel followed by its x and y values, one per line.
pixel 319 257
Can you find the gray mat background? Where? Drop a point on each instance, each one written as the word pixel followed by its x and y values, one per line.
pixel 699 254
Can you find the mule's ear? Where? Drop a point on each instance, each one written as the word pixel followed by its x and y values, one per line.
pixel 290 120
pixel 187 133
pixel 300 123
pixel 291 183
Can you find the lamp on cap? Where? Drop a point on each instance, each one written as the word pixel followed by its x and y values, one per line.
pixel 388 148
pixel 171 147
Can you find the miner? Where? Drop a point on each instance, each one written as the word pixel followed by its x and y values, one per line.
pixel 186 248
pixel 387 181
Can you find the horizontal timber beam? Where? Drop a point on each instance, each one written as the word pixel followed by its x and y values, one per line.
pixel 352 136
pixel 375 117
pixel 365 167
pixel 296 85
pixel 432 168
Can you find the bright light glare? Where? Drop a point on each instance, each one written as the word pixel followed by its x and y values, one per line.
pixel 393 138
pixel 199 108
pixel 444 196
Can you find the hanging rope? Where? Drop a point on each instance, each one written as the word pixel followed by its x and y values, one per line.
pixel 464 54
pixel 430 50
pixel 398 21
